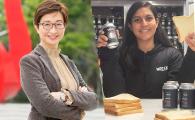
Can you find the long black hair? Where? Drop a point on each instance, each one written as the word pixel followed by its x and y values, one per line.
pixel 127 59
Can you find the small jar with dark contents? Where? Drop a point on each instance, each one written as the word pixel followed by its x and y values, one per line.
pixel 170 96
pixel 187 96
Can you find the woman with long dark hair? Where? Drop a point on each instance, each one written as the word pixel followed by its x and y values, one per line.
pixel 144 61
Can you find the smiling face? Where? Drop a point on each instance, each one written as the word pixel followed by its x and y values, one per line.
pixel 144 24
pixel 51 37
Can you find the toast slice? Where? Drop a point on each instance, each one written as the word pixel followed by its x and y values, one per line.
pixel 175 115
pixel 123 112
pixel 123 109
pixel 189 117
pixel 184 25
pixel 116 105
pixel 122 98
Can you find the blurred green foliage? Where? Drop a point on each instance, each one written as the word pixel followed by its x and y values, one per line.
pixel 3 39
pixel 78 42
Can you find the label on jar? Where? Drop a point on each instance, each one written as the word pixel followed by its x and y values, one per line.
pixel 170 98
pixel 187 98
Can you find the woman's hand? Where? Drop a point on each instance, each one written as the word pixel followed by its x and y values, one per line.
pixel 102 41
pixel 190 40
pixel 83 89
pixel 58 95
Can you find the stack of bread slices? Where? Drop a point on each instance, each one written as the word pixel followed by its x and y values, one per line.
pixel 175 115
pixel 122 104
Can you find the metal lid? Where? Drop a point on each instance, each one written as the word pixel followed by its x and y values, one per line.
pixel 109 24
pixel 169 86
pixel 173 82
pixel 187 86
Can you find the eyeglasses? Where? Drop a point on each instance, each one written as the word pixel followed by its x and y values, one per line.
pixel 147 18
pixel 48 26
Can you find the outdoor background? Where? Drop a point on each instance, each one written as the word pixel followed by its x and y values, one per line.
pixel 78 42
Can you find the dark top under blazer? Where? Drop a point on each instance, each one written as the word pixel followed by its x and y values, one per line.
pixel 39 78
